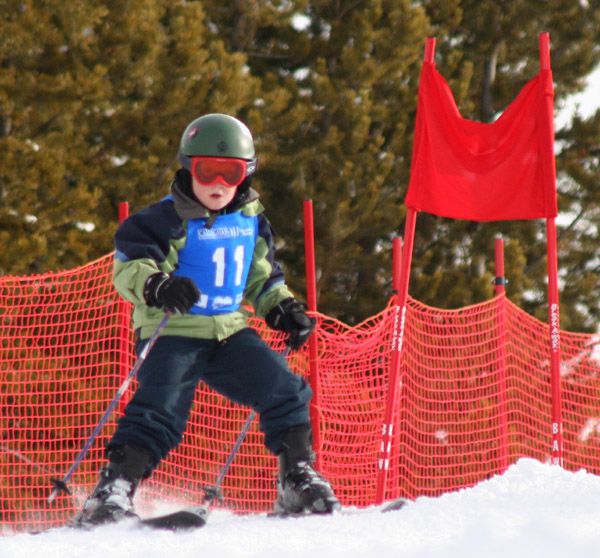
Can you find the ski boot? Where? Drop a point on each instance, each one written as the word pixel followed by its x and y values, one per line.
pixel 300 489
pixel 112 498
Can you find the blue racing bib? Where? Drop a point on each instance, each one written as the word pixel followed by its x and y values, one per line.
pixel 218 260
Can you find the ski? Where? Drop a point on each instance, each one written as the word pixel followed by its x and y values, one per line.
pixel 182 520
pixel 186 519
pixel 392 505
pixel 197 517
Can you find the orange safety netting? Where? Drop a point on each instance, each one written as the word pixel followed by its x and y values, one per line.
pixel 474 396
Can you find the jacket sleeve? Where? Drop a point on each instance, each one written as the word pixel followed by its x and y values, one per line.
pixel 266 286
pixel 145 244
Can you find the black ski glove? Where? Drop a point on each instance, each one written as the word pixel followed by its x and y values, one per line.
pixel 290 316
pixel 170 293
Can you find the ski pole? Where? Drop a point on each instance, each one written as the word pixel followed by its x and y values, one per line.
pixel 212 492
pixel 60 485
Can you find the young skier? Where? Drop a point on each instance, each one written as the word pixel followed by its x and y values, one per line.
pixel 197 254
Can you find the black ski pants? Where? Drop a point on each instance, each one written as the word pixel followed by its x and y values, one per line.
pixel 242 367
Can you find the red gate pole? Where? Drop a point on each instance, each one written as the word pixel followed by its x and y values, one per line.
pixel 500 279
pixel 396 263
pixel 552 255
pixel 123 211
pixel 500 291
pixel 387 431
pixel 397 253
pixel 554 332
pixel 311 301
pixel 123 318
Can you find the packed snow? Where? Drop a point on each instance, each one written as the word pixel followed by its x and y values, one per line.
pixel 532 510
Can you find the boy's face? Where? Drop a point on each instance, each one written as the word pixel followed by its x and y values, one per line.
pixel 214 197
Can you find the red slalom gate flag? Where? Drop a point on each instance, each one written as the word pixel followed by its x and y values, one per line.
pixel 477 171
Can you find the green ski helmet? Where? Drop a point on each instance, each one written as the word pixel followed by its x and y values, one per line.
pixel 217 135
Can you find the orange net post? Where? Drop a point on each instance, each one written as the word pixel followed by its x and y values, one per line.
pixel 457 420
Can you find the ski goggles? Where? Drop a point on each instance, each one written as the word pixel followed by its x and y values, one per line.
pixel 209 171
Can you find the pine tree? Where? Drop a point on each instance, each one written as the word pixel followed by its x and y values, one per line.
pixel 94 97
pixel 165 69
pixel 336 120
pixel 338 99
pixel 46 198
pixel 579 237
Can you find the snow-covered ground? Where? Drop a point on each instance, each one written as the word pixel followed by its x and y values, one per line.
pixel 532 510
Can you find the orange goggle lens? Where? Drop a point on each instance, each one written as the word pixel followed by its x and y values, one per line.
pixel 209 171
